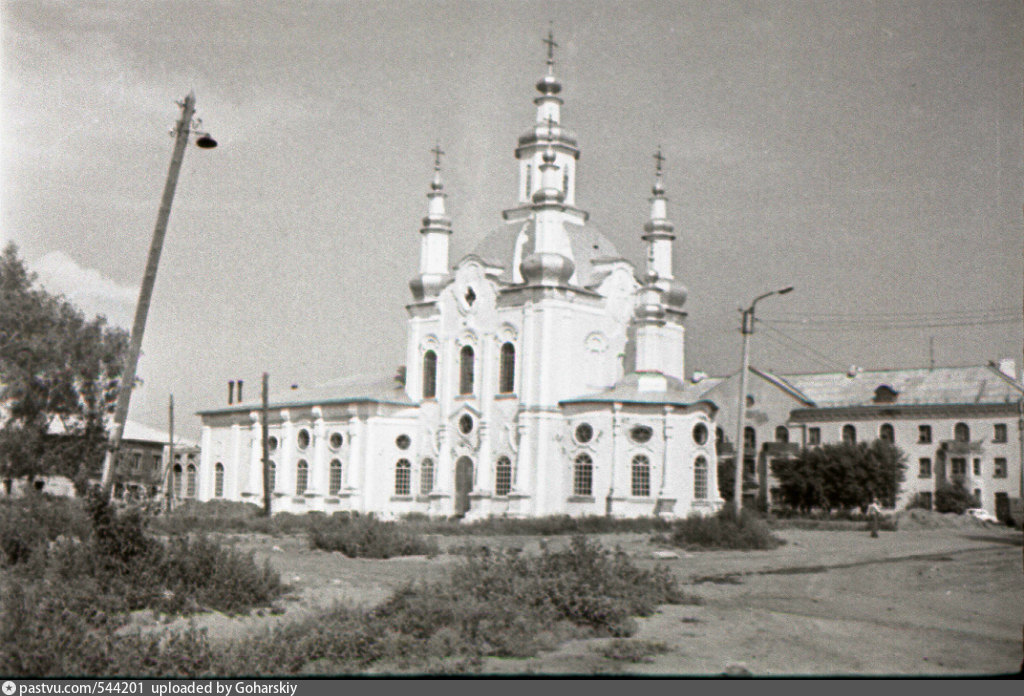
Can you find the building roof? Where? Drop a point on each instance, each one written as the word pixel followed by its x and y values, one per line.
pixel 980 384
pixel 133 430
pixel 648 388
pixel 360 388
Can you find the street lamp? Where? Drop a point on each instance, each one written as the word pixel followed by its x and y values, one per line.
pixel 185 126
pixel 746 329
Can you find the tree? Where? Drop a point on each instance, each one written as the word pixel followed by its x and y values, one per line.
pixel 55 367
pixel 953 496
pixel 842 475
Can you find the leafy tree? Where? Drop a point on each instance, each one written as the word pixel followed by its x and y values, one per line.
pixel 55 366
pixel 953 496
pixel 841 476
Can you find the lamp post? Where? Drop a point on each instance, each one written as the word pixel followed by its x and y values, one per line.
pixel 746 329
pixel 181 131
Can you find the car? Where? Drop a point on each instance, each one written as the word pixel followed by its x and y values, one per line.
pixel 981 514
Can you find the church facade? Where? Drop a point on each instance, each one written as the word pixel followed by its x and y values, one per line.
pixel 544 375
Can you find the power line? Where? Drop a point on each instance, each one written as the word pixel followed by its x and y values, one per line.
pixel 818 357
pixel 853 325
pixel 947 314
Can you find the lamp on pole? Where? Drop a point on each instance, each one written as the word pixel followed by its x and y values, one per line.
pixel 746 329
pixel 185 126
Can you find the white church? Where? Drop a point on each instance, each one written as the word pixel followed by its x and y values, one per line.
pixel 545 375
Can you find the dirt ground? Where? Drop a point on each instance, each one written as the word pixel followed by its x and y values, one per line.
pixel 919 601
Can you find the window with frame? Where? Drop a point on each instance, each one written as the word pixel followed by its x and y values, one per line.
pixel 887 433
pixel 641 477
pixel 700 433
pixel 426 476
pixel 503 476
pixel 700 478
pixel 849 434
pixel 924 434
pixel 507 376
pixel 814 436
pixel 924 467
pixel 429 374
pixel 190 490
pixel 958 467
pixel 925 498
pixel 466 357
pixel 303 439
pixel 176 479
pixel 334 480
pixel 403 475
pixel 961 432
pixel 781 434
pixel 301 477
pixel 749 439
pixel 977 467
pixel 218 480
pixel 583 476
pixel 999 432
pixel 999 467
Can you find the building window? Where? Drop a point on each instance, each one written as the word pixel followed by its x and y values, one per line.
pixel 218 480
pixel 176 480
pixel 503 476
pixel 999 433
pixel 958 467
pixel 583 475
pixel 977 497
pixel 466 370
pixel 977 467
pixel 334 484
pixel 465 424
pixel 641 478
pixel 924 434
pixel 961 433
pixel 336 441
pixel 700 433
pixel 584 433
pixel 782 434
pixel 529 180
pixel 926 499
pixel 403 441
pixel 924 467
pixel 814 436
pixel 887 433
pixel 700 478
pixel 641 433
pixel 749 439
pixel 719 436
pixel 429 374
pixel 403 474
pixel 999 468
pixel 507 378
pixel 301 477
pixel 849 434
pixel 271 443
pixel 426 476
pixel 303 439
pixel 272 476
pixel 190 483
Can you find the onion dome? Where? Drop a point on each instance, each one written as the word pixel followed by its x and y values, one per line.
pixel 549 191
pixel 649 305
pixel 675 295
pixel 547 268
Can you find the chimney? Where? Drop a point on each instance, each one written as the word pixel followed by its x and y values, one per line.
pixel 1008 366
pixel 231 391
pixel 239 391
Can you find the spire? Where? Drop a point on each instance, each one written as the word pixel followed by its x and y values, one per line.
pixel 437 228
pixel 659 230
pixel 549 84
pixel 436 216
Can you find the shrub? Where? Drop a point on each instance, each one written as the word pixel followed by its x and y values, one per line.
pixel 724 530
pixel 368 537
pixel 551 525
pixel 632 650
pixel 953 497
pixel 29 523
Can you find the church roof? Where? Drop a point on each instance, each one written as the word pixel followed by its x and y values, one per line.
pixel 589 246
pixel 133 431
pixel 381 389
pixel 647 388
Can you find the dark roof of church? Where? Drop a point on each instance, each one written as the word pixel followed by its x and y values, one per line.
pixel 381 389
pixel 643 388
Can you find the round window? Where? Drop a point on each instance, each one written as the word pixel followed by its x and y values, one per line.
pixel 584 433
pixel 403 441
pixel 336 440
pixel 303 439
pixel 272 443
pixel 466 424
pixel 700 433
pixel 641 433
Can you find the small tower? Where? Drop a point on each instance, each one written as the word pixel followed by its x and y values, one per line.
pixel 437 228
pixel 659 233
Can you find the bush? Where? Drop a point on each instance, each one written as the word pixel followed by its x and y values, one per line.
pixel 632 650
pixel 724 530
pixel 551 525
pixel 368 537
pixel 953 497
pixel 29 523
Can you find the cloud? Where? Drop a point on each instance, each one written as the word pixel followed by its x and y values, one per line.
pixel 87 288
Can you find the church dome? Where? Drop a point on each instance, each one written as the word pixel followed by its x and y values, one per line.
pixel 675 295
pixel 547 268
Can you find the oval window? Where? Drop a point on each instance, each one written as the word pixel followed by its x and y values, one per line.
pixel 272 443
pixel 403 441
pixel 336 440
pixel 584 432
pixel 700 433
pixel 303 439
pixel 641 433
pixel 466 424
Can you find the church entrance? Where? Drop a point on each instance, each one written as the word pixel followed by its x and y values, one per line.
pixel 463 485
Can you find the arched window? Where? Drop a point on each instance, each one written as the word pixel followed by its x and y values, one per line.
pixel 641 478
pixel 466 370
pixel 961 433
pixel 849 434
pixel 782 434
pixel 700 478
pixel 503 476
pixel 190 483
pixel 403 474
pixel 301 477
pixel 218 480
pixel 176 481
pixel 272 476
pixel 887 433
pixel 429 374
pixel 749 439
pixel 507 378
pixel 334 485
pixel 583 475
pixel 426 476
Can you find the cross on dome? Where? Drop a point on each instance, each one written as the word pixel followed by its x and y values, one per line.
pixel 659 158
pixel 550 41
pixel 437 156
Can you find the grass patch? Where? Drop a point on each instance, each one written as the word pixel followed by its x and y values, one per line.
pixel 368 537
pixel 723 530
pixel 632 650
pixel 28 524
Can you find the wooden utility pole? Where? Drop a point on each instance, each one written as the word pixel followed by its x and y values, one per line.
pixel 168 472
pixel 266 450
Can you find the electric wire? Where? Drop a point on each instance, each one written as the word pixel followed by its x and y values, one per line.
pixel 818 357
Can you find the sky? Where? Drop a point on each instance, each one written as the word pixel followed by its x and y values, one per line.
pixel 870 154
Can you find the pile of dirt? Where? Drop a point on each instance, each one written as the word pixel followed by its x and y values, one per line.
pixel 929 519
